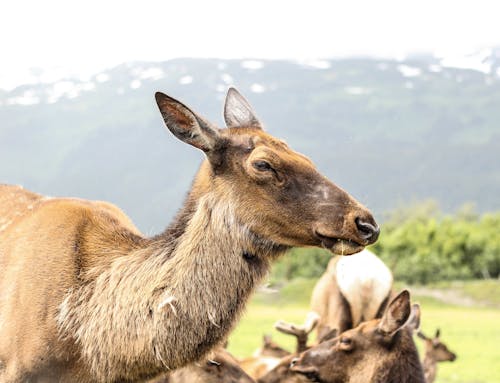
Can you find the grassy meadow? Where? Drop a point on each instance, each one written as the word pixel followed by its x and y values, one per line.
pixel 471 330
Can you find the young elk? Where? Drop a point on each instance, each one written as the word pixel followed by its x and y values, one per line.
pixel 282 372
pixel 85 297
pixel 377 351
pixel 352 290
pixel 221 367
pixel 270 349
pixel 435 351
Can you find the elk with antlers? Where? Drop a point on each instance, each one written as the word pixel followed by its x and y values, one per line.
pixel 267 359
pixel 85 297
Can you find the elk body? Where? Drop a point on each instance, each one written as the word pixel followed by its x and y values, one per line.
pixel 221 367
pixel 377 351
pixel 352 290
pixel 85 297
pixel 435 351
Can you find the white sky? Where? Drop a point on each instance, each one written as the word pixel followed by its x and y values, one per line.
pixel 94 34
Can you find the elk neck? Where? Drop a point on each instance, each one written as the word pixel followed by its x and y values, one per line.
pixel 192 282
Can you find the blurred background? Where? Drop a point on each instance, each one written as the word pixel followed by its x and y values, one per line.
pixel 398 102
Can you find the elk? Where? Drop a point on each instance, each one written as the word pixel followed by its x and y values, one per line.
pixel 281 373
pixel 264 358
pixel 222 367
pixel 85 297
pixel 377 351
pixel 352 290
pixel 270 348
pixel 271 355
pixel 435 351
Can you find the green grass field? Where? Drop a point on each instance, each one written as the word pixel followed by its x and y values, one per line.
pixel 473 333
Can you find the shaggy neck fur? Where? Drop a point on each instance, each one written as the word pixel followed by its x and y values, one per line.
pixel 184 291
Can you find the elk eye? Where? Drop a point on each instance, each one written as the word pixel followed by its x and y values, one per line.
pixel 262 165
pixel 346 343
pixel 213 363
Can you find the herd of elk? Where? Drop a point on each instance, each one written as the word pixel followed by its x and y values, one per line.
pixel 377 351
pixel 352 290
pixel 85 297
pixel 435 351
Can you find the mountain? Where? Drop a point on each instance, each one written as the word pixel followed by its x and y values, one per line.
pixel 390 132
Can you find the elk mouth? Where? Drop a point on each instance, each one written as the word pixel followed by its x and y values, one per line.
pixel 339 246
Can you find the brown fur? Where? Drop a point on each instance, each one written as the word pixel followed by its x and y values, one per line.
pixel 435 351
pixel 335 309
pixel 221 367
pixel 377 351
pixel 85 297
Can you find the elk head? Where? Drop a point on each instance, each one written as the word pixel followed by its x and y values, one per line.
pixel 373 352
pixel 275 192
pixel 436 349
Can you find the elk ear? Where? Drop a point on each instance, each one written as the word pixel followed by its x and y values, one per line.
pixel 238 112
pixel 413 322
pixel 396 315
pixel 186 125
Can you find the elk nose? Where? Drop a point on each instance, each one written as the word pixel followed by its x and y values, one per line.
pixel 367 230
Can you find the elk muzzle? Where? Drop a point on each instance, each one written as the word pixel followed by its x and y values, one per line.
pixel 342 225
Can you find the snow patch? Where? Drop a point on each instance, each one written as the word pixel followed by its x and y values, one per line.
pixel 479 61
pixel 154 73
pixel 257 88
pixel 135 84
pixel 409 71
pixel 252 64
pixel 221 65
pixel 185 80
pixel 221 88
pixel 316 64
pixel 68 89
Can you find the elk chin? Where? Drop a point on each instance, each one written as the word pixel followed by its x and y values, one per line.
pixel 340 246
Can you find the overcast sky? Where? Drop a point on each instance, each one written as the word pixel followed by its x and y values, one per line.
pixel 94 34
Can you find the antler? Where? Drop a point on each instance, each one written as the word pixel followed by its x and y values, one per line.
pixel 300 332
